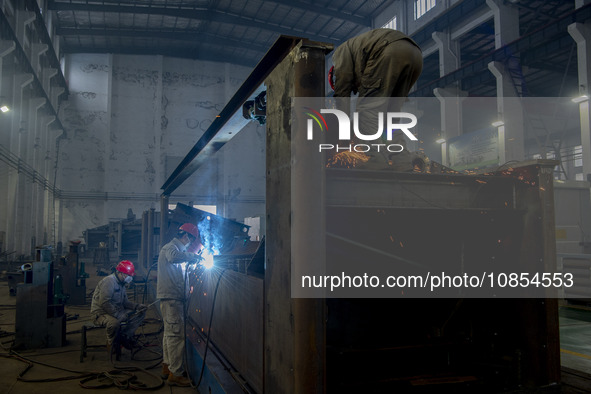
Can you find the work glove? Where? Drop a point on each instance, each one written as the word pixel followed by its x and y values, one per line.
pixel 141 307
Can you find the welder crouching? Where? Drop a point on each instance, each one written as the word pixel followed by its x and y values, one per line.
pixel 112 309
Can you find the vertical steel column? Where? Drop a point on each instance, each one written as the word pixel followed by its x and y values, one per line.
pixel 163 218
pixel 294 329
pixel 120 239
pixel 541 365
pixel 308 217
pixel 150 247
pixel 581 33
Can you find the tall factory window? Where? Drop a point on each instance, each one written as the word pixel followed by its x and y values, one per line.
pixel 206 208
pixel 391 24
pixel 422 6
pixel 578 155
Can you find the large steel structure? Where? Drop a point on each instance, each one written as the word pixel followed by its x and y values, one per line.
pixel 271 342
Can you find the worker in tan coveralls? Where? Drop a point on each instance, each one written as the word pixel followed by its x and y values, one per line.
pixel 110 307
pixel 377 64
pixel 172 292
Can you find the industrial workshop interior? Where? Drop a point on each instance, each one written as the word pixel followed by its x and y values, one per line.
pixel 194 196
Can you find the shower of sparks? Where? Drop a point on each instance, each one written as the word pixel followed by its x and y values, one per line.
pixel 347 159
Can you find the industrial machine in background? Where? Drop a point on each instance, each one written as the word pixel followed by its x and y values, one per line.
pixel 39 321
pixel 573 237
pixel 218 233
pixel 118 240
pixel 71 278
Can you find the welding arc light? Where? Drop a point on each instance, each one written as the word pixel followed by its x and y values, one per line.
pixel 207 262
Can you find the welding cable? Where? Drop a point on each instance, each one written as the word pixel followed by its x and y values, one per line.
pixel 122 378
pixel 132 383
pixel 185 306
pixel 215 294
pixel 23 358
pixel 185 310
pixel 146 282
pixel 20 377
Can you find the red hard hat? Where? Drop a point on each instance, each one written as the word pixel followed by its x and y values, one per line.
pixel 126 267
pixel 190 228
pixel 331 77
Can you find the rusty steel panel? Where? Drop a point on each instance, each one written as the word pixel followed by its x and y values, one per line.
pixel 237 326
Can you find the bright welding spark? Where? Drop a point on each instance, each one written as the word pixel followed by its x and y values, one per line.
pixel 207 262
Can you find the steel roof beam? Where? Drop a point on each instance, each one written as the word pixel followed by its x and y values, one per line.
pixel 199 54
pixel 538 39
pixel 155 34
pixel 188 13
pixel 333 13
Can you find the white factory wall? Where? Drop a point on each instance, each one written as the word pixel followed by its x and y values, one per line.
pixel 130 119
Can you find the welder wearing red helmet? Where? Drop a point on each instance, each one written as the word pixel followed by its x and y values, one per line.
pixel 110 307
pixel 171 292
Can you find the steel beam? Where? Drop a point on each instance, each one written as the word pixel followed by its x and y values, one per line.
pixel 172 52
pixel 184 35
pixel 295 342
pixel 198 14
pixel 230 121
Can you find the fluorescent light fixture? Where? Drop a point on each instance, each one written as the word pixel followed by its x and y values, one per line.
pixel 440 140
pixel 498 123
pixel 4 108
pixel 580 99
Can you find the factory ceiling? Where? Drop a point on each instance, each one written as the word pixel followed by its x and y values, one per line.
pixel 234 31
pixel 241 32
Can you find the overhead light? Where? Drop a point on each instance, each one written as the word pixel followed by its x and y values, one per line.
pixel 580 99
pixel 4 108
pixel 498 123
pixel 440 140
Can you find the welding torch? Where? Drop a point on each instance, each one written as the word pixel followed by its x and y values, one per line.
pixel 141 309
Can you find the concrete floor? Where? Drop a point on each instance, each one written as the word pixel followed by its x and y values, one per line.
pixel 575 340
pixel 575 337
pixel 68 357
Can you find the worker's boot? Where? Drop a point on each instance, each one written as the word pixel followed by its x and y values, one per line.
pixel 180 381
pixel 165 371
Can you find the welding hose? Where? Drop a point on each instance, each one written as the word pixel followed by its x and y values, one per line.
pixel 185 307
pixel 209 328
pixel 130 381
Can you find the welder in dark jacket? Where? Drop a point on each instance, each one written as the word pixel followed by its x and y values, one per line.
pixel 381 65
pixel 110 306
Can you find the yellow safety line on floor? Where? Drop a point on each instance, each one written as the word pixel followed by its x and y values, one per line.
pixel 575 353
